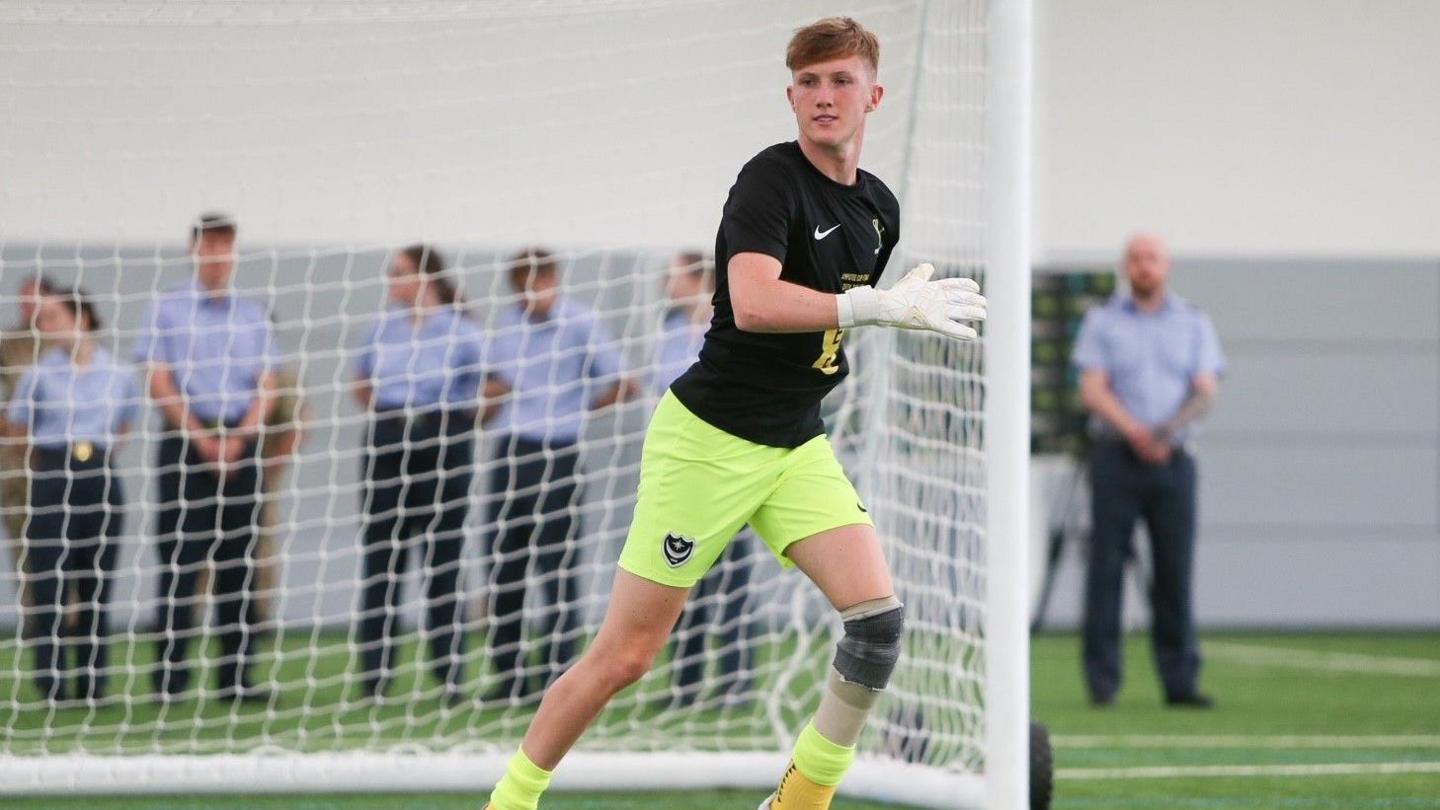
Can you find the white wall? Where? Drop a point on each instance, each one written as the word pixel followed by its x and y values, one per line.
pixel 588 127
pixel 1238 127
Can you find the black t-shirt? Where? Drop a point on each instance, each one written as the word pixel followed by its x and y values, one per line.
pixel 830 237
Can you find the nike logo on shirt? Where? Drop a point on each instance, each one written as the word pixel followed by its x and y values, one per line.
pixel 819 234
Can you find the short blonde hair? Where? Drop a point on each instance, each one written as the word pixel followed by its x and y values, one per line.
pixel 832 38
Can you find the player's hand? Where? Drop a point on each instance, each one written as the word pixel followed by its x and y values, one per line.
pixel 916 302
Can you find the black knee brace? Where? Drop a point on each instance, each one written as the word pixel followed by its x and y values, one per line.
pixel 870 648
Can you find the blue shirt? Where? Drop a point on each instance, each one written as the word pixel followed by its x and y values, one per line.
pixel 1151 358
pixel 217 348
pixel 554 367
pixel 420 365
pixel 60 403
pixel 680 342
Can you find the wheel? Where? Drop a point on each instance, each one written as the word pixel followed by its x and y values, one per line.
pixel 1042 768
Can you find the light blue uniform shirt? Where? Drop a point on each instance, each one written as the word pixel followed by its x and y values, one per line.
pixel 217 348
pixel 554 367
pixel 60 403
pixel 680 342
pixel 1151 358
pixel 420 365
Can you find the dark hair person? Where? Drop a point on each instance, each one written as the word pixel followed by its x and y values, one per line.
pixel 74 407
pixel 419 373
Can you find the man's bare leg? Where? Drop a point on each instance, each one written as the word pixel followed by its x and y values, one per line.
pixel 848 566
pixel 637 625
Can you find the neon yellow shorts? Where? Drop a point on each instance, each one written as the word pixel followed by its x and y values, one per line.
pixel 699 485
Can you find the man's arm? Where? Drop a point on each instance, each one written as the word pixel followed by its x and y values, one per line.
pixel 1098 398
pixel 249 428
pixel 762 302
pixel 492 396
pixel 622 391
pixel 166 394
pixel 363 391
pixel 1204 390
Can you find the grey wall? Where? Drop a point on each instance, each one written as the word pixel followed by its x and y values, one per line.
pixel 1319 467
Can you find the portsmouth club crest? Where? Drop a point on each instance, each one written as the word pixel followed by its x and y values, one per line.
pixel 678 550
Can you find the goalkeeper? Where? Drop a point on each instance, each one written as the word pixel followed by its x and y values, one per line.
pixel 738 439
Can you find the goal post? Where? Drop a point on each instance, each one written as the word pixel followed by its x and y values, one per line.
pixel 1007 412
pixel 337 133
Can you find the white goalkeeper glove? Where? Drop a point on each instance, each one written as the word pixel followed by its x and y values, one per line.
pixel 916 302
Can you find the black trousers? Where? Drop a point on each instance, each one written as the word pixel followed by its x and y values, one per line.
pixel 416 484
pixel 721 594
pixel 532 494
pixel 72 532
pixel 207 517
pixel 1125 489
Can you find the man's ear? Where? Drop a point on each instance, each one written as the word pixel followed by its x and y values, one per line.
pixel 790 95
pixel 877 92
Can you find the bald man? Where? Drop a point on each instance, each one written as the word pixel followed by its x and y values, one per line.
pixel 1150 366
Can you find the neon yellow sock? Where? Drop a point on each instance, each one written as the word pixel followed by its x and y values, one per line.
pixel 521 786
pixel 820 760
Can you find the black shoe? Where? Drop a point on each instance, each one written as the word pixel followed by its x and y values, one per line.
pixel 1102 701
pixel 1191 700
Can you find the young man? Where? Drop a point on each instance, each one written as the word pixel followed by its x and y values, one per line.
pixel 804 236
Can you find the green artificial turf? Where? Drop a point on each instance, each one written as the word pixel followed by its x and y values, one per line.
pixel 1317 701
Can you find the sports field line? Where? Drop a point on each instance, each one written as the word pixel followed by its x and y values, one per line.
pixel 1201 771
pixel 1361 741
pixel 1314 659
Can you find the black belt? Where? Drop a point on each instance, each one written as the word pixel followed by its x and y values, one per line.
pixel 1110 441
pixel 79 452
pixel 217 424
pixel 430 417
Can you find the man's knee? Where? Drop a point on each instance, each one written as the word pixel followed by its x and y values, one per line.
pixel 620 668
pixel 871 646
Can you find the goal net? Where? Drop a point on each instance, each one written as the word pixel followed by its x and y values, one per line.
pixel 334 640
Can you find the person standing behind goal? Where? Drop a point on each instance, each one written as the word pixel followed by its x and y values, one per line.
pixel 210 358
pixel 1150 366
pixel 74 407
pixel 804 236
pixel 419 374
pixel 559 363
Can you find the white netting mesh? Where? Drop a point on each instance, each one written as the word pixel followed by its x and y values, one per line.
pixel 339 132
